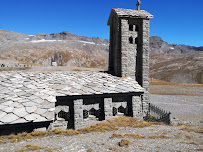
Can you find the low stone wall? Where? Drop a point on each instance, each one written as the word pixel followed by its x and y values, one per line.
pixel 100 108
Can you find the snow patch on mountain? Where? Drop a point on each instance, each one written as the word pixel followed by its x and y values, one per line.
pixel 43 40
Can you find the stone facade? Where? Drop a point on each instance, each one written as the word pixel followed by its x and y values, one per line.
pixel 92 108
pixel 129 47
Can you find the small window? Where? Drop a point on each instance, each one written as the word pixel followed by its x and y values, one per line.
pixel 85 114
pixel 94 112
pixel 121 109
pixel 130 27
pixel 64 115
pixel 136 40
pixel 130 40
pixel 115 111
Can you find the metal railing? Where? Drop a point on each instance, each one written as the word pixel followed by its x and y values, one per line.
pixel 157 114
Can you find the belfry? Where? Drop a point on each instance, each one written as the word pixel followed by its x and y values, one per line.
pixel 129 46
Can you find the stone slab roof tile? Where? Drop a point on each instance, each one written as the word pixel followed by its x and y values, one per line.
pixel 9 118
pixel 129 13
pixel 27 96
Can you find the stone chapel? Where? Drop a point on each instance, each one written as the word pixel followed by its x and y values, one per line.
pixel 64 100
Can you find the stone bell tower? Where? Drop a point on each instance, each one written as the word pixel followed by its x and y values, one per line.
pixel 129 46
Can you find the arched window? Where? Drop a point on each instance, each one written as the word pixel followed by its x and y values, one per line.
pixel 130 27
pixel 131 40
pixel 64 115
pixel 121 109
pixel 94 112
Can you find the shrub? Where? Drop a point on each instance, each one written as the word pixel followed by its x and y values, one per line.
pixel 124 142
pixel 89 150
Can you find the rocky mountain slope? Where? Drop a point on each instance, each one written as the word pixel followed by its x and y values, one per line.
pixel 65 48
pixel 170 62
pixel 175 63
pixel 157 45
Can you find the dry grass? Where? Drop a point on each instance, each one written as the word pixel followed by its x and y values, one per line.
pixel 142 148
pixel 136 136
pixel 200 149
pixel 124 142
pixel 114 123
pixel 99 127
pixel 35 147
pixel 38 133
pixel 185 134
pixel 109 125
pixel 15 69
pixel 30 148
pixel 161 82
pixel 192 142
pixel 72 132
pixel 169 88
pixel 32 64
pixel 76 70
pixel 161 137
pixel 113 148
pixel 131 122
pixel 190 128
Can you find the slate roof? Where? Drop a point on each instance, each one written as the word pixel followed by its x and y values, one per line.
pixel 29 96
pixel 129 13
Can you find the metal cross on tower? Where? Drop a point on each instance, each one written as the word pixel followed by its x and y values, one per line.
pixel 138 5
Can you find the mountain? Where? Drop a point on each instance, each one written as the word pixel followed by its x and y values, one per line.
pixel 170 62
pixel 175 63
pixel 65 48
pixel 157 45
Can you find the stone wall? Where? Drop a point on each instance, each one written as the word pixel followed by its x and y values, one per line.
pixel 145 62
pixel 115 47
pixel 129 51
pixel 89 110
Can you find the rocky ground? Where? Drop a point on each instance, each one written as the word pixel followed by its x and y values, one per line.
pixel 155 138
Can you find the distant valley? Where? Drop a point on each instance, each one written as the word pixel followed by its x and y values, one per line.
pixel 169 62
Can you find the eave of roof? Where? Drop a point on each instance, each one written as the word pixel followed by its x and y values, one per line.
pixel 129 13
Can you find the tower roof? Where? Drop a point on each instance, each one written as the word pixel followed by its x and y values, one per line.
pixel 129 13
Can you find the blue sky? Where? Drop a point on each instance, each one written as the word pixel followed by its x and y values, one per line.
pixel 175 21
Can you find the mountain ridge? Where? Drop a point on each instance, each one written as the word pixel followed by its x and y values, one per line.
pixel 169 62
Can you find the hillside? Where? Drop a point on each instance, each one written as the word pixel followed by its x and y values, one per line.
pixel 65 48
pixel 169 62
pixel 180 68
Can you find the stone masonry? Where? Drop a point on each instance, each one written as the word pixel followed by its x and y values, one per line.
pixel 129 47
